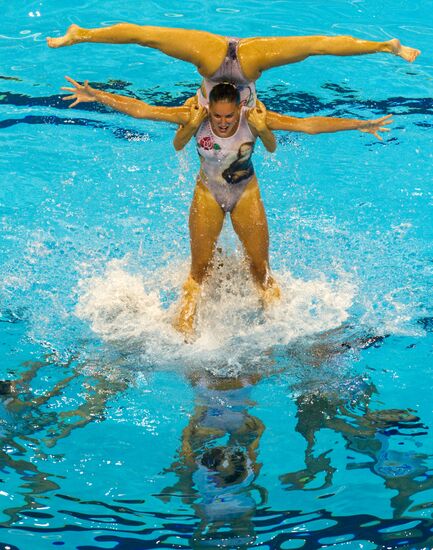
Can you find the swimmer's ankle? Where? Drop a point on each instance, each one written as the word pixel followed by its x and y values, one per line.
pixel 271 294
pixel 407 53
pixel 73 35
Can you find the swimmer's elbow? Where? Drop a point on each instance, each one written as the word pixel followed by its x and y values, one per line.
pixel 310 129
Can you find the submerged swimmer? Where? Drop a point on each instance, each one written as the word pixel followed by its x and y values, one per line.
pixel 225 133
pixel 217 466
pixel 240 61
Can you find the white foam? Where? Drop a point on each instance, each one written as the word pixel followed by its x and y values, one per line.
pixel 117 305
pixel 129 310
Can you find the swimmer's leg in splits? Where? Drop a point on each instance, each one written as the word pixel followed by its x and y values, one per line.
pixel 206 218
pixel 259 54
pixel 250 223
pixel 203 49
pixel 207 50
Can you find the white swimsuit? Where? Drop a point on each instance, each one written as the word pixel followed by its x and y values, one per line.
pixel 229 71
pixel 226 167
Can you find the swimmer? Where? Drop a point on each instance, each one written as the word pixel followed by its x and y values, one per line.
pixel 217 463
pixel 237 60
pixel 224 134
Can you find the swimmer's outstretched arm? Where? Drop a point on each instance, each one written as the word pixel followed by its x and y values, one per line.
pixel 323 125
pixel 128 105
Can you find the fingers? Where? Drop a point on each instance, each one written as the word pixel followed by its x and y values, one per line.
pixel 385 120
pixel 73 82
pixel 191 100
pixel 70 98
pixel 377 129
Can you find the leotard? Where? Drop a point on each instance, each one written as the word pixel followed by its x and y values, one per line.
pixel 226 167
pixel 230 71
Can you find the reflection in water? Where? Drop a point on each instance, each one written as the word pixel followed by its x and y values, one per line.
pixel 217 470
pixel 217 467
pixel 344 409
pixel 21 419
pixel 29 422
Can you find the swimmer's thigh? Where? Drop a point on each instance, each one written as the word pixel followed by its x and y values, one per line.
pixel 203 49
pixel 206 219
pixel 250 223
pixel 261 53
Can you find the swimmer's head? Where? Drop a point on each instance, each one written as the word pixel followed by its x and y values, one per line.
pixel 224 109
pixel 225 92
pixel 230 464
pixel 6 387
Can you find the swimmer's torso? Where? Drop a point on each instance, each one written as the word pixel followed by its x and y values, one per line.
pixel 230 71
pixel 226 166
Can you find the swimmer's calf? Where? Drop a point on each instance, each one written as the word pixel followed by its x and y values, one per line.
pixel 185 320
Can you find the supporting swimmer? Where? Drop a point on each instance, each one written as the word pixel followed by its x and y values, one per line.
pixel 226 183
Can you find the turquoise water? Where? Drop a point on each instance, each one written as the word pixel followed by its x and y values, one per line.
pixel 321 409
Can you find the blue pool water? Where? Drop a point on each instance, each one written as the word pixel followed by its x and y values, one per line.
pixel 317 414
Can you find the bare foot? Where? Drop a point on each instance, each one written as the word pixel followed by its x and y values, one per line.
pixel 407 53
pixel 71 37
pixel 270 295
pixel 185 320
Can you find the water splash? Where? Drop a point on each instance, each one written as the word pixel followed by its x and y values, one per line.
pixel 131 312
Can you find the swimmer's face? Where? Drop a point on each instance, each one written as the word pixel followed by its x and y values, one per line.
pixel 230 465
pixel 224 117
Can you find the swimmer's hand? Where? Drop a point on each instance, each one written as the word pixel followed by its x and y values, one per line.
pixel 376 125
pixel 257 122
pixel 257 117
pixel 197 113
pixel 80 93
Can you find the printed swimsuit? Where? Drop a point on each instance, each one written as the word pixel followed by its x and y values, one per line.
pixel 227 411
pixel 226 167
pixel 229 71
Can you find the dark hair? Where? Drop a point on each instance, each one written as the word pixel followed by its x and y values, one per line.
pixel 213 458
pixel 5 387
pixel 225 92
